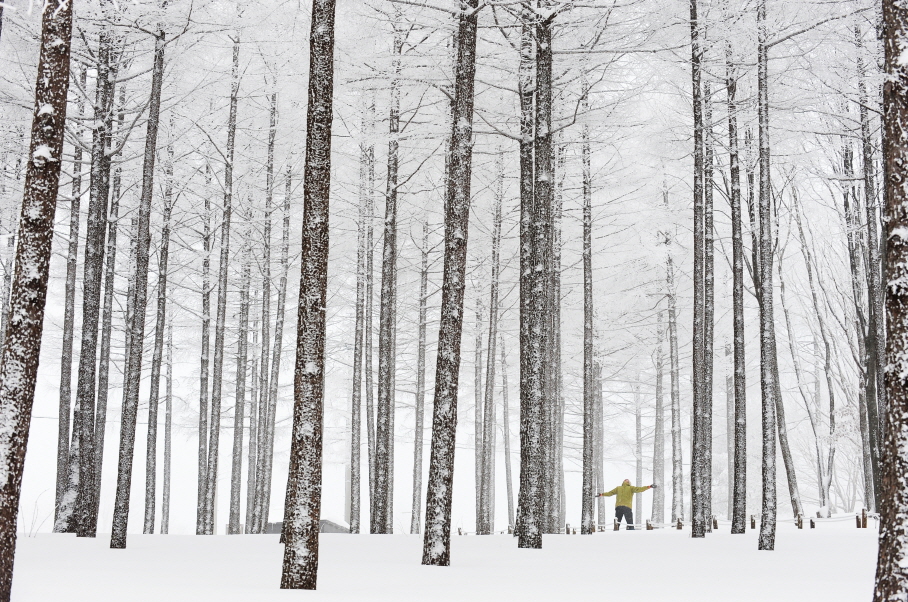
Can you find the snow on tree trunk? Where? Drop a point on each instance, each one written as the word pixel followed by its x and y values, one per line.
pixel 698 469
pixel 437 538
pixel 487 505
pixel 599 445
pixel 356 398
pixel 22 345
pixel 204 359
pixel 133 375
pixel 708 304
pixel 416 509
pixel 168 434
pixel 242 361
pixel 587 491
pixel 677 458
pixel 368 159
pixel 220 325
pixel 75 506
pixel 477 410
pixel 69 315
pixel 384 430
pixel 768 385
pixel 892 562
pixel 304 484
pixel 738 510
pixel 658 513
pixel 638 444
pixel 159 334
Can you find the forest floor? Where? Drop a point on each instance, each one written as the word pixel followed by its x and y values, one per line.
pixel 833 562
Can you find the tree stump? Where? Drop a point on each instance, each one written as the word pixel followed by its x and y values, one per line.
pixel 857 520
pixel 715 523
pixel 680 524
pixel 753 522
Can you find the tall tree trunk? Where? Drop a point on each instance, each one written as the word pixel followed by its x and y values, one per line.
pixel 22 346
pixel 558 510
pixel 168 428
pixel 133 375
pixel 506 426
pixel 69 313
pixel 437 539
pixel 159 334
pixel 384 433
pixel 264 390
pixel 304 483
pixel 211 476
pixel 529 496
pixel 768 385
pixel 416 509
pixel 75 506
pixel 892 571
pixel 488 419
pixel 698 470
pixel 867 381
pixel 876 339
pixel 708 305
pixel 658 513
pixel 739 494
pixel 589 384
pixel 356 401
pixel 204 361
pixel 677 458
pixel 368 159
pixel 107 323
pixel 638 443
pixel 242 361
pixel 599 445
pixel 263 484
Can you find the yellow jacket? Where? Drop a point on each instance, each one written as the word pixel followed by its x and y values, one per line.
pixel 625 494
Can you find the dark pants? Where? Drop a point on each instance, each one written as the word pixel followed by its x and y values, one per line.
pixel 627 514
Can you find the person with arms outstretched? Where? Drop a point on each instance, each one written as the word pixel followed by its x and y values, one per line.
pixel 625 501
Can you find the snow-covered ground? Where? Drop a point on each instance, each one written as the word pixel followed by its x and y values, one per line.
pixel 834 562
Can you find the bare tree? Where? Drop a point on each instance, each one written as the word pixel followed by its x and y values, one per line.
pixel 300 568
pixel 22 345
pixel 437 538
pixel 416 510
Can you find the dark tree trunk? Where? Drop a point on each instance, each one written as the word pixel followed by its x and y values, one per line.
pixel 708 305
pixel 133 375
pixel 304 484
pixel 698 470
pixel 69 314
pixel 739 493
pixel 22 345
pixel 158 353
pixel 220 325
pixel 891 572
pixel 437 538
pixel 768 385
pixel 529 497
pixel 416 510
pixel 75 507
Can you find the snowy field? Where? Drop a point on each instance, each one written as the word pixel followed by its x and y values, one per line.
pixel 834 562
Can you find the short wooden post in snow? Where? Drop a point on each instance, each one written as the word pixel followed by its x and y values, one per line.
pixel 863 518
pixel 679 525
pixel 753 522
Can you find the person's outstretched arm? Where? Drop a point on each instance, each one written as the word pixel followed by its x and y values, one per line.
pixel 641 489
pixel 610 493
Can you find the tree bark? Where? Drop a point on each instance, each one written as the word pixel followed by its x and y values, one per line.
pixel 698 470
pixel 211 475
pixel 22 345
pixel 304 484
pixel 356 401
pixel 242 361
pixel 416 510
pixel 158 353
pixel 587 491
pixel 437 539
pixel 69 314
pixel 137 325
pixel 658 513
pixel 768 385
pixel 204 359
pixel 677 458
pixel 739 493
pixel 477 411
pixel 75 507
pixel 892 571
